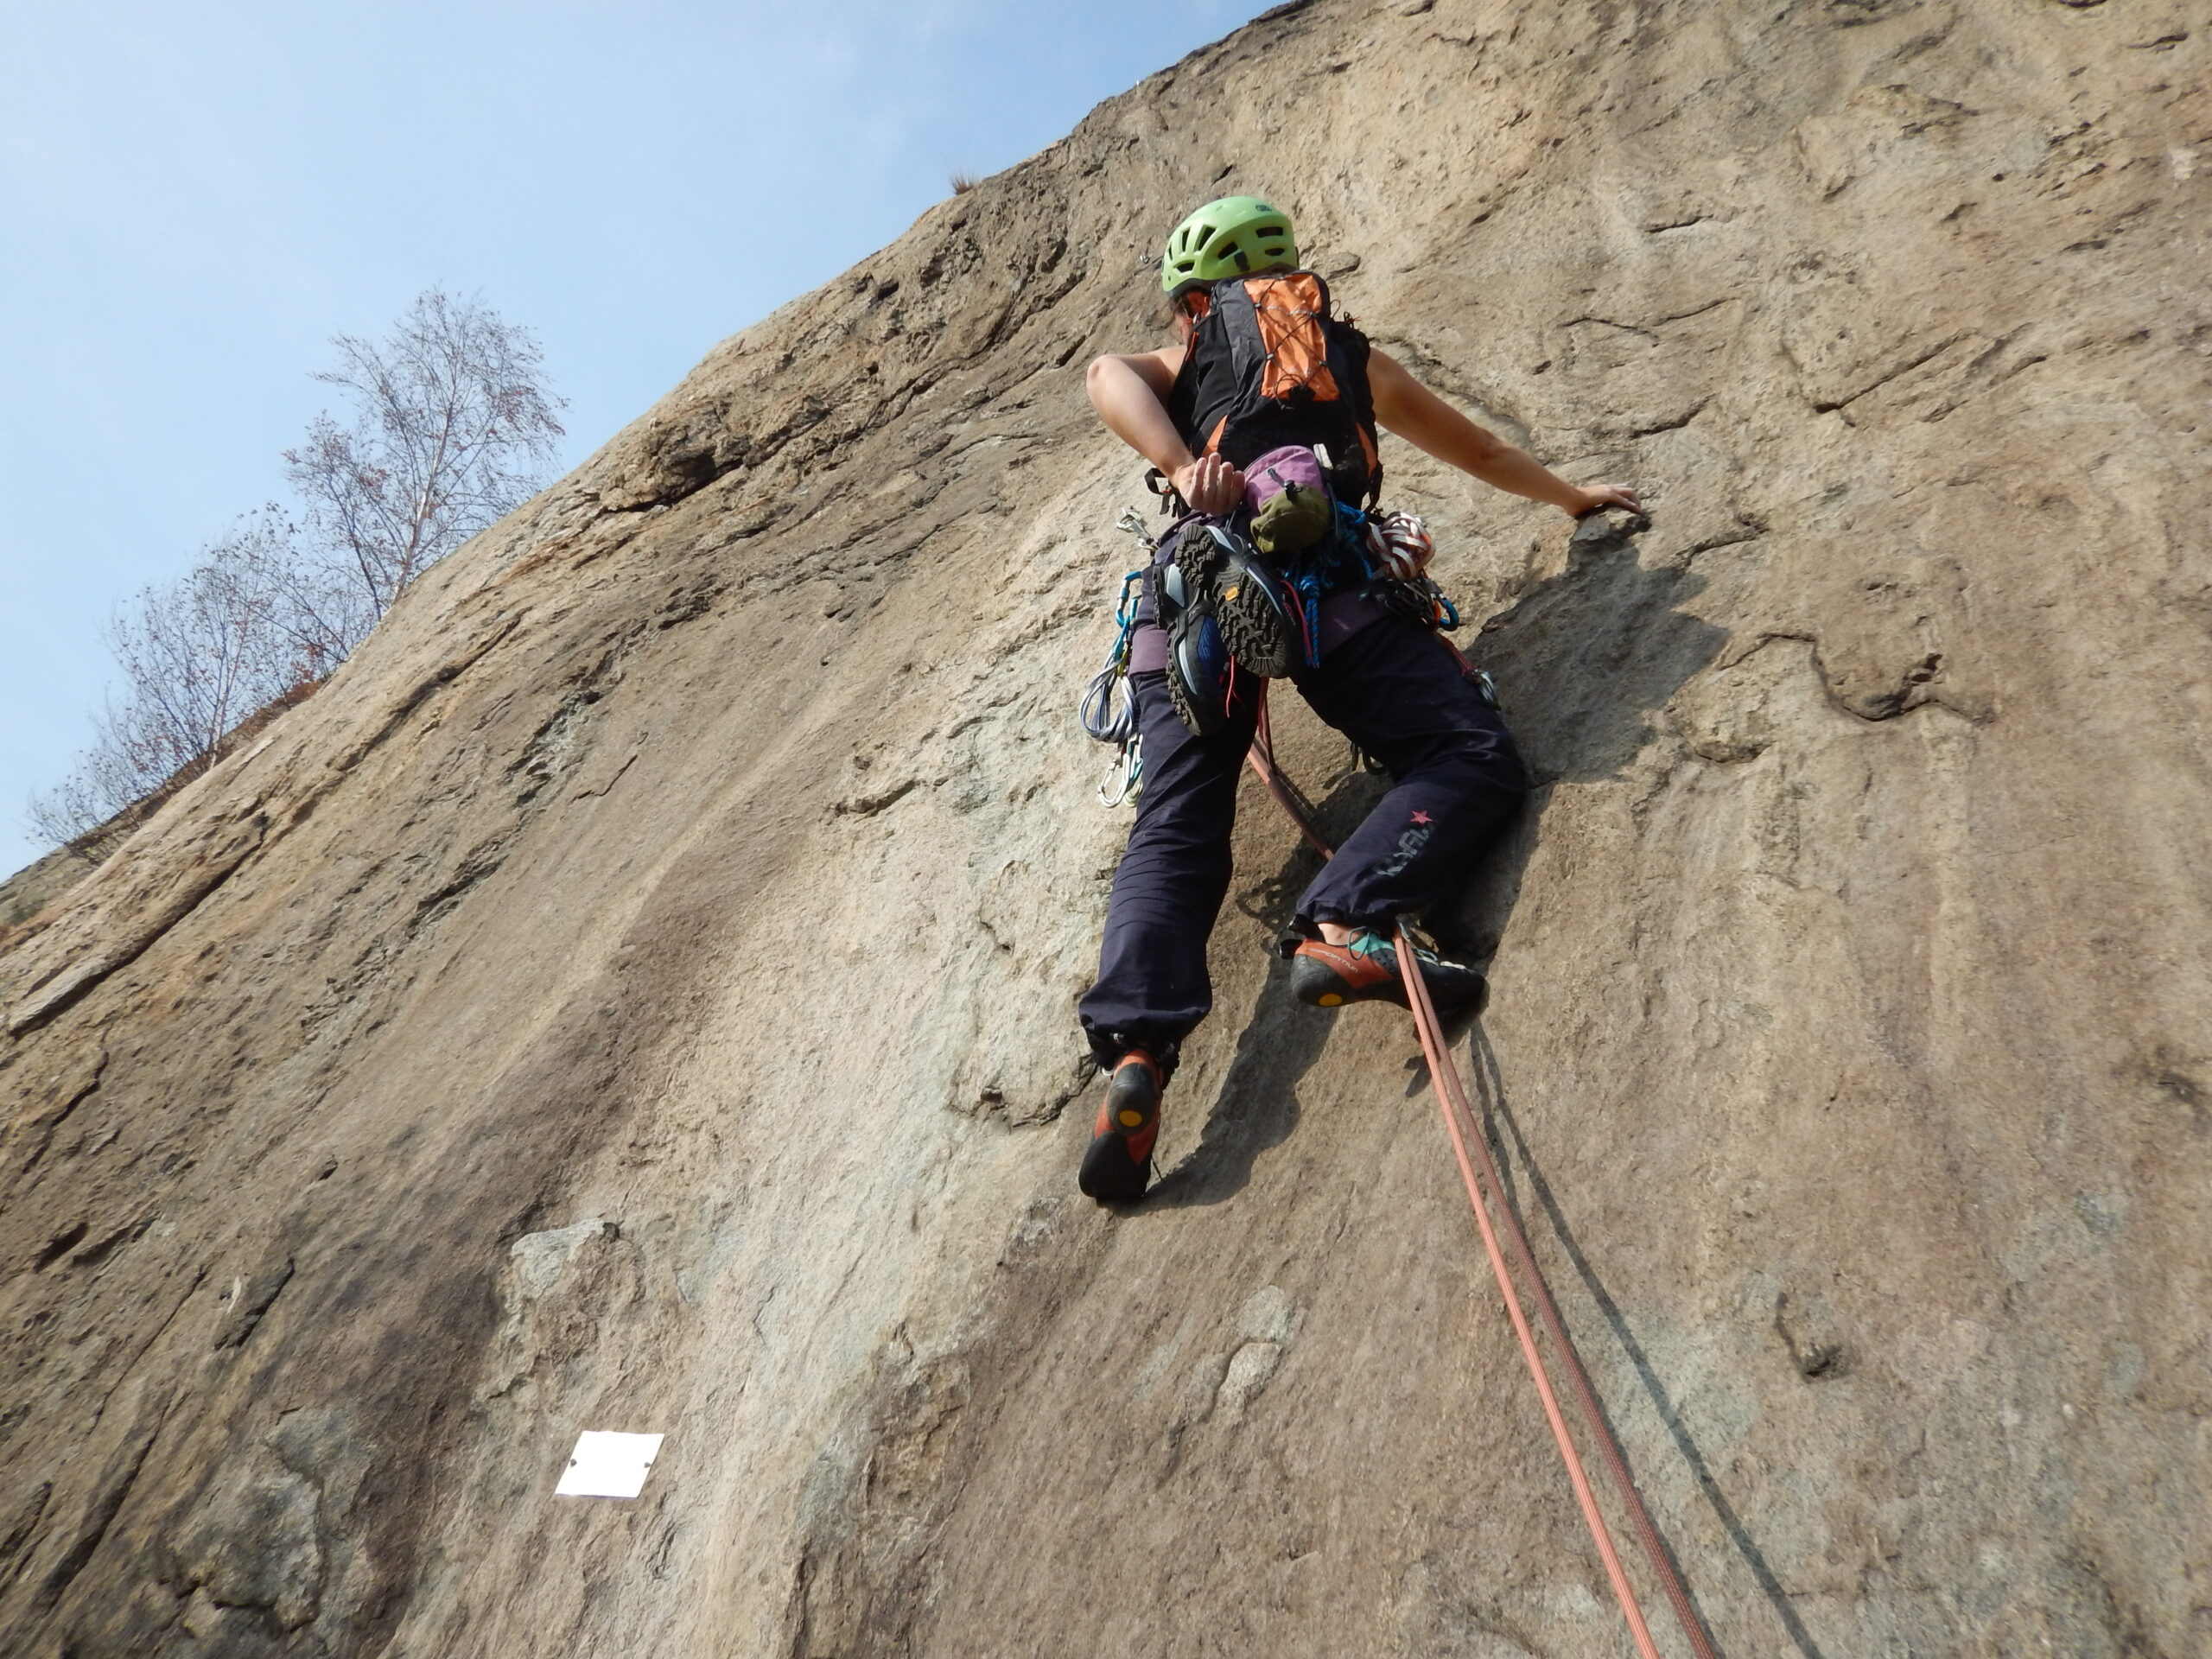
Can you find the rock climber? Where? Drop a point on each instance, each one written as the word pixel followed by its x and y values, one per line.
pixel 1260 362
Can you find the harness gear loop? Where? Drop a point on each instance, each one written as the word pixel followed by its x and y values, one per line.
pixel 1451 1100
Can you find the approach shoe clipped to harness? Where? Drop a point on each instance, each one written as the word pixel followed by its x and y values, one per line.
pixel 1118 1166
pixel 1198 655
pixel 1258 610
pixel 1328 976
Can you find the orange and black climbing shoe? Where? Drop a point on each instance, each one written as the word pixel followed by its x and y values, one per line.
pixel 1119 1164
pixel 1366 970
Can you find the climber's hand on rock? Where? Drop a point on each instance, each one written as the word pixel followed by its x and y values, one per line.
pixel 1597 496
pixel 1209 484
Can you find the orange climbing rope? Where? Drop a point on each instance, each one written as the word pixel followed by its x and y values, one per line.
pixel 1450 1097
pixel 1262 756
pixel 1451 1100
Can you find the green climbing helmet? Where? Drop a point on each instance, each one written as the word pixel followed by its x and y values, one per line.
pixel 1234 236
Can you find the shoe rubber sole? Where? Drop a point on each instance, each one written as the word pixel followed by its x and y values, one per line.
pixel 1249 607
pixel 1110 1175
pixel 1117 1166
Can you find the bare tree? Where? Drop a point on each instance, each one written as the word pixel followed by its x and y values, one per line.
pixel 452 428
pixel 198 656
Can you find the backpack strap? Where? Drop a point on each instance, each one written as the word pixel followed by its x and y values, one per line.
pixel 1240 319
pixel 1237 320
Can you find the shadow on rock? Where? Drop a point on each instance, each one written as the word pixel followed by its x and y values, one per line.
pixel 1503 1131
pixel 1585 659
pixel 1257 1107
pixel 1584 662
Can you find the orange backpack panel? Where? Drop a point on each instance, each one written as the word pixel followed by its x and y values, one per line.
pixel 1292 311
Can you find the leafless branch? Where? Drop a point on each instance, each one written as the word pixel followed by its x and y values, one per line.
pixel 453 427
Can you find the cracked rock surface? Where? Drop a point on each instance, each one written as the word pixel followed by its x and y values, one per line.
pixel 635 993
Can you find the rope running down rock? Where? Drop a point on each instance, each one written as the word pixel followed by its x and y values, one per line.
pixel 1452 1100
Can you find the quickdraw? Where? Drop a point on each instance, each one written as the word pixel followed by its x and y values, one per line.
pixel 1108 708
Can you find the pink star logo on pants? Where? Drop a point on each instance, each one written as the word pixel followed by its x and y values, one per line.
pixel 1420 817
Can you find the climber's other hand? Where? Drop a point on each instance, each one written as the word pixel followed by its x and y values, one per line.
pixel 1597 496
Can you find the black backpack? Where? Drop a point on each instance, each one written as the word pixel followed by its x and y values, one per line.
pixel 1269 365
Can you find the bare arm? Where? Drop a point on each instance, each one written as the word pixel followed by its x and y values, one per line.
pixel 1427 421
pixel 1130 394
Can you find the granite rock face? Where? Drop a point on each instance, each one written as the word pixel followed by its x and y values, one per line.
pixel 636 993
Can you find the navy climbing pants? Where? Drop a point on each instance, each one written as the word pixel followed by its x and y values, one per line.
pixel 1398 693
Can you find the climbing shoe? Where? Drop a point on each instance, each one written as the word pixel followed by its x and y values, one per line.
pixel 1119 1164
pixel 1366 970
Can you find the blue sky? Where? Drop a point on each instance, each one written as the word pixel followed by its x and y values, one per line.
pixel 194 199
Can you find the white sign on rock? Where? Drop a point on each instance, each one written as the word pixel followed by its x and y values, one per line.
pixel 608 1464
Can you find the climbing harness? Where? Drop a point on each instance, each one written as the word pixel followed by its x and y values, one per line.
pixel 1226 605
pixel 1479 1173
